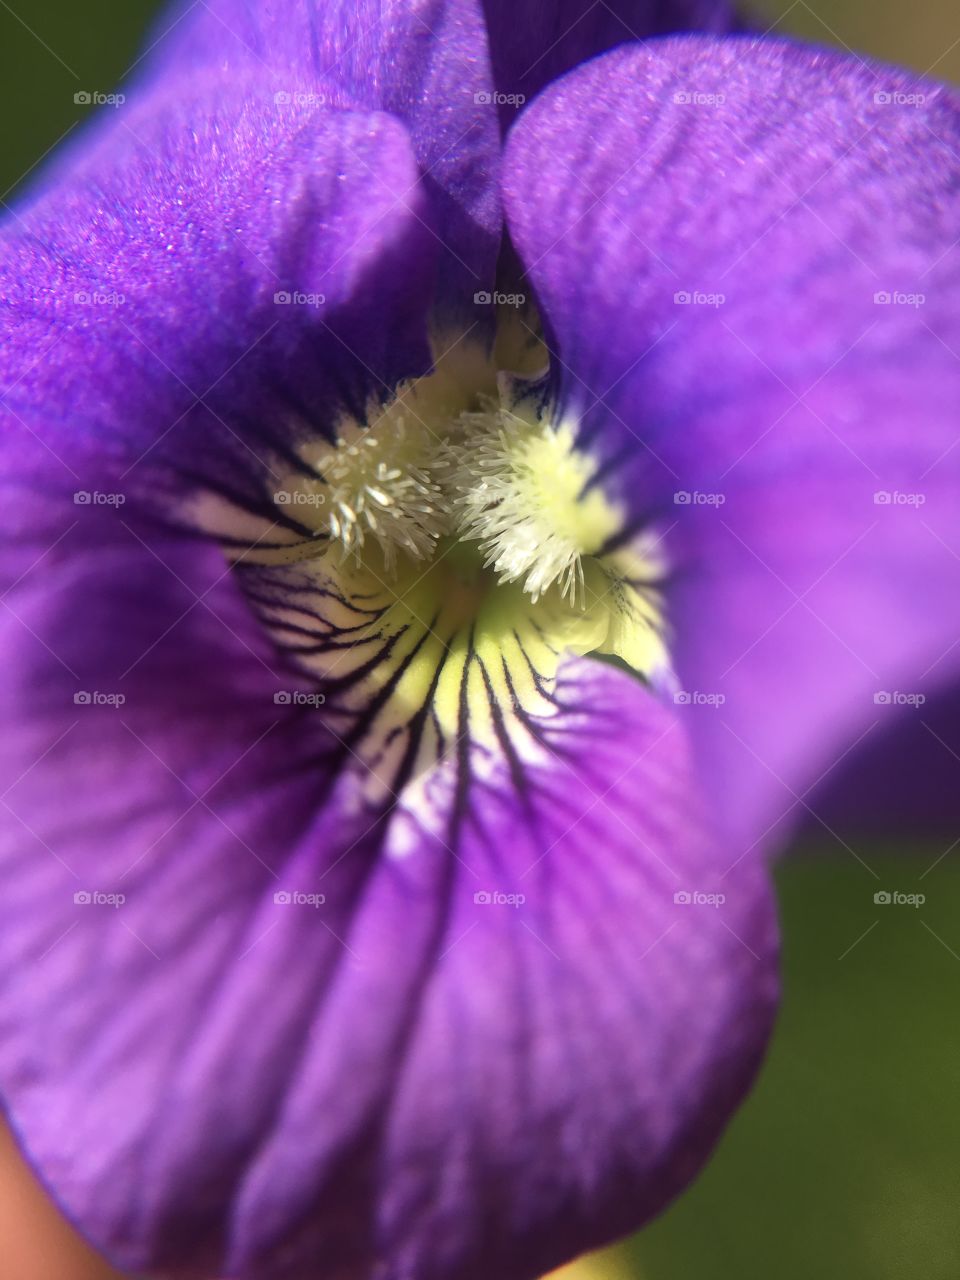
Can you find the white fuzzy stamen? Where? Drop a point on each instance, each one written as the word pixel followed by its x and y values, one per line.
pixel 380 484
pixel 508 480
pixel 518 490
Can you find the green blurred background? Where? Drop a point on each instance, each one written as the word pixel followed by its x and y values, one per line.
pixel 845 1162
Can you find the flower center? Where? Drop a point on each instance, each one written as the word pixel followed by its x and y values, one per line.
pixel 439 562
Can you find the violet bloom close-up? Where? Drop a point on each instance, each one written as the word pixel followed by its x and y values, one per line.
pixel 462 477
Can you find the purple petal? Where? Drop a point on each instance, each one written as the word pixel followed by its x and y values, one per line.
pixel 218 272
pixel 899 784
pixel 532 42
pixel 746 253
pixel 306 1042
pixel 424 62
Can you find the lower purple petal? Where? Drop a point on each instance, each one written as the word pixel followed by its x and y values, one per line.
pixel 502 1023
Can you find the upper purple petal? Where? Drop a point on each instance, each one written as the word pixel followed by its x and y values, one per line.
pixel 447 68
pixel 423 61
pixel 532 42
pixel 219 274
pixel 746 255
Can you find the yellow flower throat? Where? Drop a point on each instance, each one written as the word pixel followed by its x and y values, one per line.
pixel 452 553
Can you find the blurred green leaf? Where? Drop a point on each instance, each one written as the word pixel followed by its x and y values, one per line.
pixel 844 1162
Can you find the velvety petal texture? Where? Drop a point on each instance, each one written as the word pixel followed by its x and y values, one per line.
pixel 215 276
pixel 532 42
pixel 424 62
pixel 262 1031
pixel 448 70
pixel 746 252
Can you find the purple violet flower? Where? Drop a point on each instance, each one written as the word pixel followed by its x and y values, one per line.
pixel 415 639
